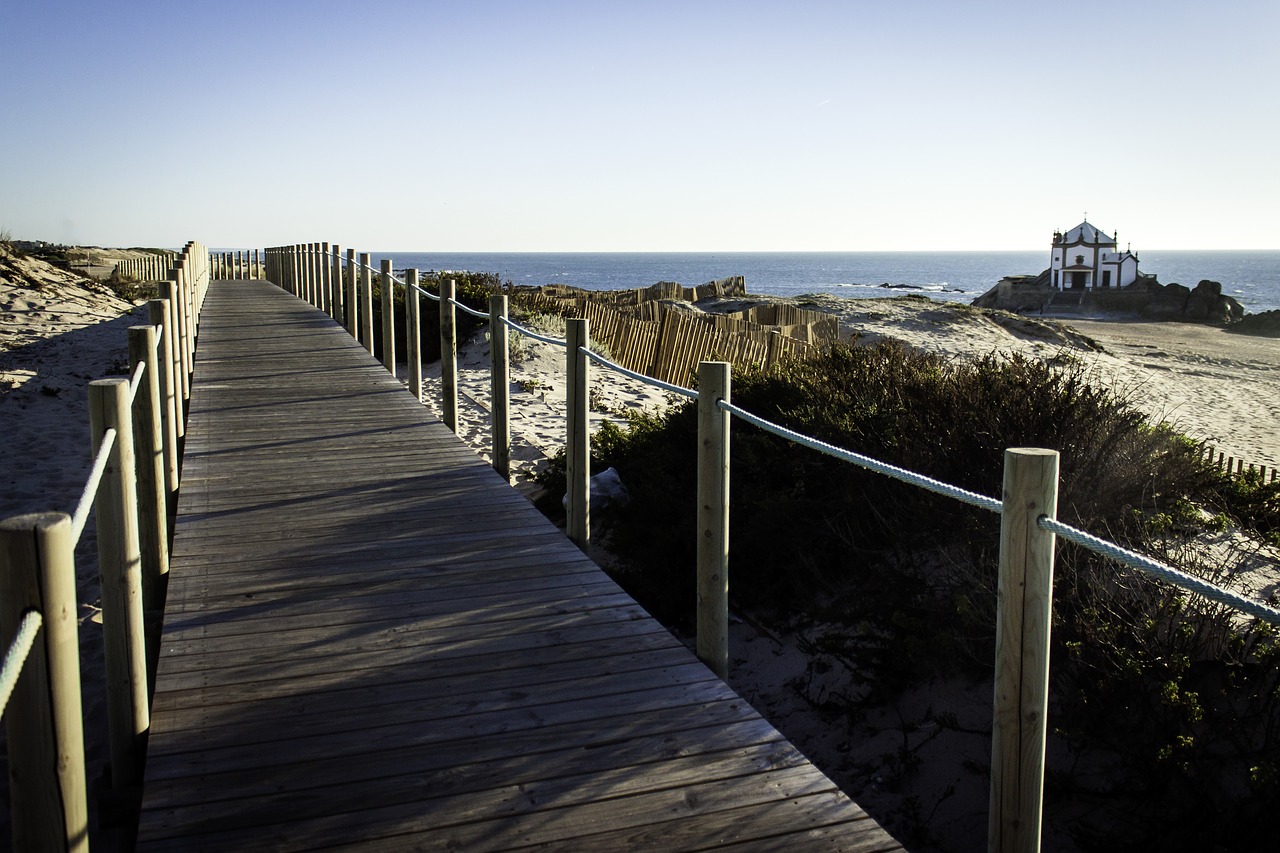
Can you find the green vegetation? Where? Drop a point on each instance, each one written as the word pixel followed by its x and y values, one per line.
pixel 472 290
pixel 129 288
pixel 1165 713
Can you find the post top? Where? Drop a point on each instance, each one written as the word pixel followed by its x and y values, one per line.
pixel 1030 451
pixel 109 382
pixel 31 520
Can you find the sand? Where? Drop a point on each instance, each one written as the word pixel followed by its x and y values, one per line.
pixel 56 334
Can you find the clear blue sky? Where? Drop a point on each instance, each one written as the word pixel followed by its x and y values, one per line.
pixel 606 126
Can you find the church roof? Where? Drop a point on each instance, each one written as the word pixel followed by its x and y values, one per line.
pixel 1086 232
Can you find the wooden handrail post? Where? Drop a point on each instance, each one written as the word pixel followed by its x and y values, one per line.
pixel 184 327
pixel 448 355
pixel 578 439
pixel 47 783
pixel 153 517
pixel 335 281
pixel 120 567
pixel 500 386
pixel 158 314
pixel 713 516
pixel 1022 650
pixel 324 277
pixel 169 290
pixel 306 270
pixel 366 302
pixel 413 333
pixel 388 317
pixel 351 300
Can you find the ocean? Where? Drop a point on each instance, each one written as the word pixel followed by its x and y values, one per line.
pixel 1251 277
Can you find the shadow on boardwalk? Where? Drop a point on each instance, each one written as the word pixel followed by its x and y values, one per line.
pixel 372 641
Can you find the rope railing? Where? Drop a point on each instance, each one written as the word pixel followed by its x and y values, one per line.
pixel 131 490
pixel 902 474
pixel 1028 510
pixel 1161 571
pixel 17 653
pixel 679 390
pixel 85 504
pixel 532 335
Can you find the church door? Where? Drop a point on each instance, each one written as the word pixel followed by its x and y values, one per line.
pixel 1078 280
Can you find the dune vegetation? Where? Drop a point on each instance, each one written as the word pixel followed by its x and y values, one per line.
pixel 1165 708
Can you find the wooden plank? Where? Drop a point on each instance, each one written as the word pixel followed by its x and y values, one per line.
pixel 372 641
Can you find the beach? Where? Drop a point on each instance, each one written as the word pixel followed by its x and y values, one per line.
pixel 58 332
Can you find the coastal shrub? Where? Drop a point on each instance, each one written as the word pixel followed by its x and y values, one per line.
pixel 1253 503
pixel 471 289
pixel 129 288
pixel 1159 701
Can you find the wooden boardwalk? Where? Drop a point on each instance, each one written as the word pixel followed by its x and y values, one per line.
pixel 373 642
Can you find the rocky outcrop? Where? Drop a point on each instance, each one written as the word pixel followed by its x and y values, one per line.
pixel 1264 325
pixel 1205 304
pixel 1147 297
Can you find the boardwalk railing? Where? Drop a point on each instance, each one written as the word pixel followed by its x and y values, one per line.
pixel 153 267
pixel 136 428
pixel 240 264
pixel 1028 510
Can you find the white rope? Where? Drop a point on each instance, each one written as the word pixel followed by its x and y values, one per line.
pixel 471 311
pixel 927 483
pixel 648 380
pixel 534 335
pixel 135 381
pixel 16 656
pixel 1157 569
pixel 430 296
pixel 91 487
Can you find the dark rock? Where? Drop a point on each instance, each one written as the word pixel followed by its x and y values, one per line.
pixel 1169 302
pixel 1264 325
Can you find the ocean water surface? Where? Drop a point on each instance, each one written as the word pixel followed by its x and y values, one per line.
pixel 1251 277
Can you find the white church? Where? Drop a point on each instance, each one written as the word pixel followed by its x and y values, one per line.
pixel 1085 258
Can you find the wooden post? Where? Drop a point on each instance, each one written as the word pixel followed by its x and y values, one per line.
pixel 388 318
pixel 713 516
pixel 1022 650
pixel 158 314
pixel 500 386
pixel 448 356
pixel 187 283
pixel 153 518
pixel 170 292
pixel 120 566
pixel 350 298
pixel 335 279
pixel 324 276
pixel 183 327
pixel 366 302
pixel 578 440
pixel 308 285
pixel 413 333
pixel 48 801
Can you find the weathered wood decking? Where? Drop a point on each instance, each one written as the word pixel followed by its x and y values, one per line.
pixel 371 641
